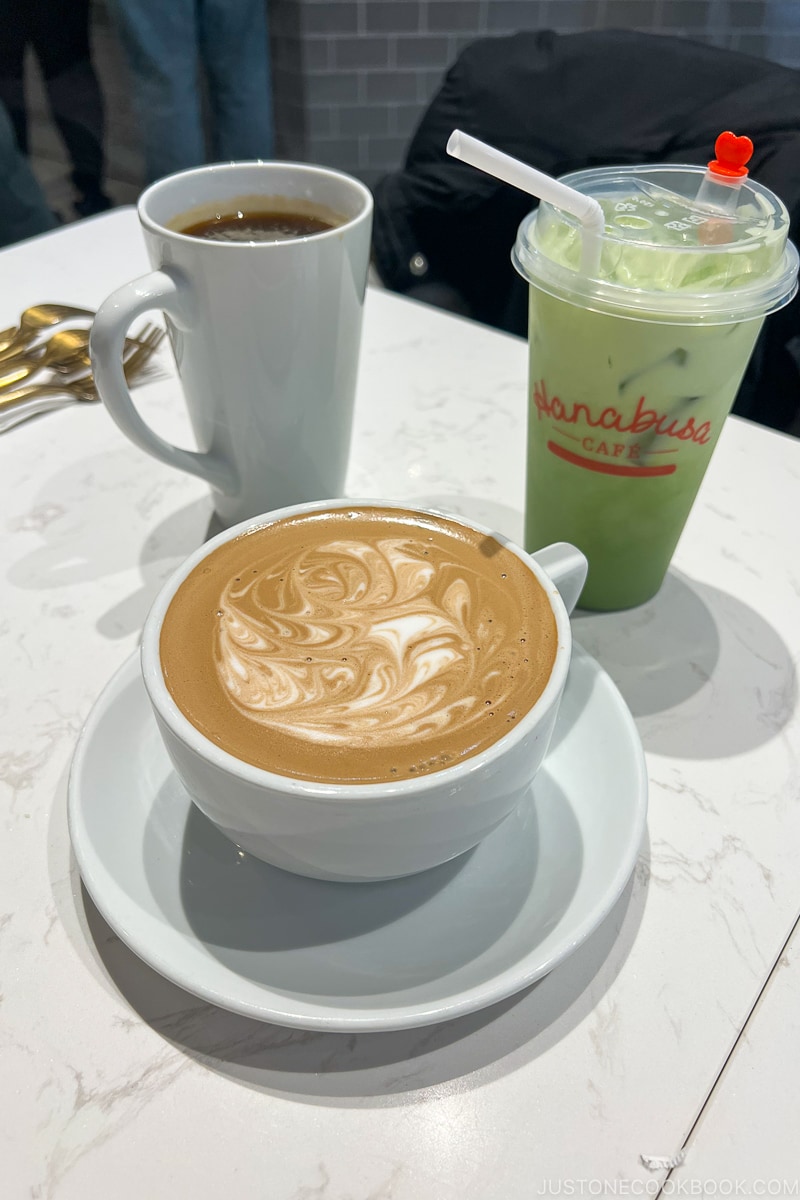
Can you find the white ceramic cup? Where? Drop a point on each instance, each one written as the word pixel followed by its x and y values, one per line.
pixel 266 335
pixel 364 832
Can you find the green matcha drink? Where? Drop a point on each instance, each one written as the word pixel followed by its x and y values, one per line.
pixel 634 368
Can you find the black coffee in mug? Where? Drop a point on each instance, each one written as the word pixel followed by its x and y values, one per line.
pixel 254 219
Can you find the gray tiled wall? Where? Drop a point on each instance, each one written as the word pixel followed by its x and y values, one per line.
pixel 353 76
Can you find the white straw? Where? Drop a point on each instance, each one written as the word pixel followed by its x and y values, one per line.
pixel 502 166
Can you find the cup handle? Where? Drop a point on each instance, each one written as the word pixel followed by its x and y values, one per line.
pixel 172 295
pixel 567 567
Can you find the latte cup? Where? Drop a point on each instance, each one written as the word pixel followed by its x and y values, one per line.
pixel 265 334
pixel 356 831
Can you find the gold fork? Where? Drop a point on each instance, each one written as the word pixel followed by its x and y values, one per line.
pixel 33 320
pixel 37 398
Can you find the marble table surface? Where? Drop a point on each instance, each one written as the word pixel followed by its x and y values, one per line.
pixel 671 1032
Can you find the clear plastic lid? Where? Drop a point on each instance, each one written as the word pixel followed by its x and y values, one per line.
pixel 665 256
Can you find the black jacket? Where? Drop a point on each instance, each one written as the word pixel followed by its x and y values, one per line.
pixel 562 102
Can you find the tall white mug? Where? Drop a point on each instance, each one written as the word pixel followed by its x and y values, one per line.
pixel 265 335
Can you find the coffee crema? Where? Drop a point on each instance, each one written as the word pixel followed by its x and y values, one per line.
pixel 358 645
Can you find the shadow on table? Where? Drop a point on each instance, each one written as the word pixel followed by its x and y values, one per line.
pixel 358 1069
pixel 163 550
pixel 704 675
pixel 76 550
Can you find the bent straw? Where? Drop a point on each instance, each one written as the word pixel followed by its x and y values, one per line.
pixel 536 183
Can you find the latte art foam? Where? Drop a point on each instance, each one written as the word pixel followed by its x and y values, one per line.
pixel 359 641
pixel 359 646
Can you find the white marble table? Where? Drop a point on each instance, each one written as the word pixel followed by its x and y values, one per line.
pixel 117 1084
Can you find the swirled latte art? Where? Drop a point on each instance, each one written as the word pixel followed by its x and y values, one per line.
pixel 358 645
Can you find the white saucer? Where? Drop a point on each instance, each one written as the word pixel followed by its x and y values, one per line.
pixel 342 956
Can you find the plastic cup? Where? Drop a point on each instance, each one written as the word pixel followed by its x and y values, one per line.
pixel 634 368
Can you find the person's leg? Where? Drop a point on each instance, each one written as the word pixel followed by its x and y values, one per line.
pixel 14 38
pixel 60 39
pixel 234 48
pixel 23 209
pixel 160 40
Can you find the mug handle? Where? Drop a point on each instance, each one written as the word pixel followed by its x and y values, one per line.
pixel 172 295
pixel 567 567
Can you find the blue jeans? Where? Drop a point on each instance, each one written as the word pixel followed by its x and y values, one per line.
pixel 167 43
pixel 57 31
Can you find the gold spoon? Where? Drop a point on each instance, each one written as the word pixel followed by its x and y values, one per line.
pixel 150 336
pixel 33 320
pixel 61 352
pixel 36 398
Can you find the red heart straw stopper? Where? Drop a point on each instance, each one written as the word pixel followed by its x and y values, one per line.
pixel 732 153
